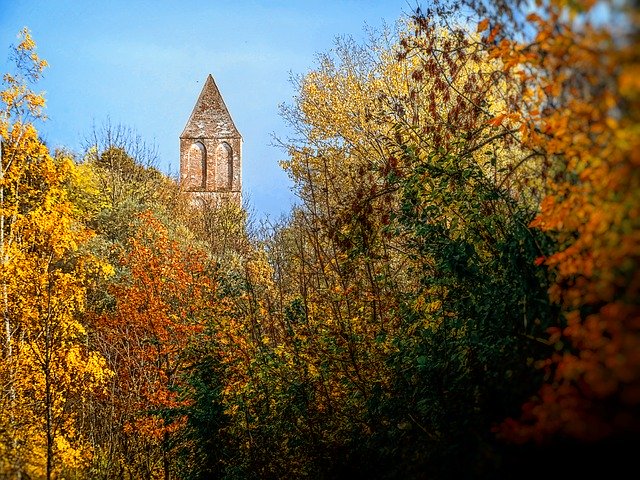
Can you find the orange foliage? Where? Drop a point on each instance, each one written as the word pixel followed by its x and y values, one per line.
pixel 580 108
pixel 159 310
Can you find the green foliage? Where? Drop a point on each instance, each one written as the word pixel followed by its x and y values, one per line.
pixel 204 451
pixel 476 324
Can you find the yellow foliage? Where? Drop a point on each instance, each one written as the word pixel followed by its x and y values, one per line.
pixel 45 365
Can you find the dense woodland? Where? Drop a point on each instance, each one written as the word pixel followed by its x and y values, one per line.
pixel 455 295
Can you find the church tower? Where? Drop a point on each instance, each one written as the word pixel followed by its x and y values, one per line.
pixel 211 150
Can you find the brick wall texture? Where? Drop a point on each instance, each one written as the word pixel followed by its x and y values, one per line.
pixel 211 149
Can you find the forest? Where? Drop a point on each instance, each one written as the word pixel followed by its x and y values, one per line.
pixel 454 296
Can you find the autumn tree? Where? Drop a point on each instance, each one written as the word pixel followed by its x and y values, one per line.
pixel 576 102
pixel 124 164
pixel 160 303
pixel 414 209
pixel 121 179
pixel 47 367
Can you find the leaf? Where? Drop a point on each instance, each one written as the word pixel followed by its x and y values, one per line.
pixel 494 32
pixel 482 25
pixel 497 121
pixel 534 17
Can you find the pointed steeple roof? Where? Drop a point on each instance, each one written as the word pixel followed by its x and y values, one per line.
pixel 210 117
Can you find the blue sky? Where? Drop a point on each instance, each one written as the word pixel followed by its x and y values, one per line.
pixel 143 63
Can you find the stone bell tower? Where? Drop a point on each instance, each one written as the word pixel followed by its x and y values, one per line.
pixel 211 150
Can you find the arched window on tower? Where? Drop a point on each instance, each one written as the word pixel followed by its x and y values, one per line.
pixel 197 167
pixel 224 166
